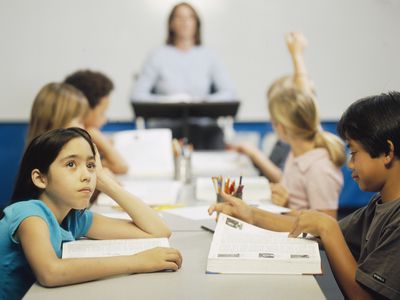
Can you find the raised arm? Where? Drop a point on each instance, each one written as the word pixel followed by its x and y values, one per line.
pixel 296 44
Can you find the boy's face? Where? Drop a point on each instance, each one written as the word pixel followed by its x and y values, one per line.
pixel 369 173
pixel 97 115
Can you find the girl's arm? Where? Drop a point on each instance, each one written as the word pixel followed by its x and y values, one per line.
pixel 296 43
pixel 266 166
pixel 112 159
pixel 342 262
pixel 145 222
pixel 33 234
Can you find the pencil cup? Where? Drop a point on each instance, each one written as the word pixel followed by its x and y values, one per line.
pixel 183 170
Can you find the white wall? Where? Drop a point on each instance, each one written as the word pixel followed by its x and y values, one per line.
pixel 354 46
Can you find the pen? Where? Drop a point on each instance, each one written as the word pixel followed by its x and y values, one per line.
pixel 206 229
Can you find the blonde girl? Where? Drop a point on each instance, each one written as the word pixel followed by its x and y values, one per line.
pixel 311 177
pixel 57 105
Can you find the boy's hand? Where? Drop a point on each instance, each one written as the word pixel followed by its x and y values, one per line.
pixel 234 207
pixel 313 222
pixel 158 259
pixel 279 194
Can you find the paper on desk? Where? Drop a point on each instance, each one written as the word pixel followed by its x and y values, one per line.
pixel 147 152
pixel 225 163
pixel 151 192
pixel 104 248
pixel 191 212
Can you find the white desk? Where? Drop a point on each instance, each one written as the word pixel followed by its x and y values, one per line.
pixel 190 282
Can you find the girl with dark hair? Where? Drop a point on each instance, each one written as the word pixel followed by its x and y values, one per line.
pixel 59 172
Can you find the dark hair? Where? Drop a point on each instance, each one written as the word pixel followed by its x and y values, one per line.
pixel 372 121
pixel 171 33
pixel 40 154
pixel 94 85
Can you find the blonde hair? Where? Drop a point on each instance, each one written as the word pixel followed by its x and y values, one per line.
pixel 288 82
pixel 297 112
pixel 55 106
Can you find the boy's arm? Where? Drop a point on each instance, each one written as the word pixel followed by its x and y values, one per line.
pixel 237 208
pixel 342 262
pixel 33 234
pixel 112 159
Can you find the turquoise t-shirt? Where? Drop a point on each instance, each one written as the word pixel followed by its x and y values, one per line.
pixel 16 276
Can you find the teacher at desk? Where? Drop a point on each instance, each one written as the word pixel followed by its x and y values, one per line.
pixel 184 70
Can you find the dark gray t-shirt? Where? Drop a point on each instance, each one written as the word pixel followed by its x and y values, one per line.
pixel 373 236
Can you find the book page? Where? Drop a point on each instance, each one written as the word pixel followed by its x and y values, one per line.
pixel 226 163
pixel 105 248
pixel 234 238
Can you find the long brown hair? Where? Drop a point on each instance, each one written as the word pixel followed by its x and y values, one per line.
pixel 171 33
pixel 297 112
pixel 55 106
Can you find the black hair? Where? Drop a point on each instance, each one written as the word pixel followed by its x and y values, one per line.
pixel 372 121
pixel 40 154
pixel 94 85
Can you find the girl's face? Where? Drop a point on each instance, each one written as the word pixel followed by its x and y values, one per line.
pixel 184 23
pixel 368 172
pixel 71 178
pixel 97 115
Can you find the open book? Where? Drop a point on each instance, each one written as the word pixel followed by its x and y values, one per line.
pixel 239 247
pixel 104 248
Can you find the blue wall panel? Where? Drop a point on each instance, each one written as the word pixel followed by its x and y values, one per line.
pixel 12 143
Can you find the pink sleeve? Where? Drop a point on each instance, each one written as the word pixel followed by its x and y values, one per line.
pixel 324 182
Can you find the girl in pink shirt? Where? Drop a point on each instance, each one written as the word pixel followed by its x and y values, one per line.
pixel 311 177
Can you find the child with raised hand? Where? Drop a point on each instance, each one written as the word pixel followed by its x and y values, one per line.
pixel 57 105
pixel 59 172
pixel 363 248
pixel 97 88
pixel 311 177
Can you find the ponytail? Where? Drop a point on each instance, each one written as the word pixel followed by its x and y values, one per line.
pixel 333 145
